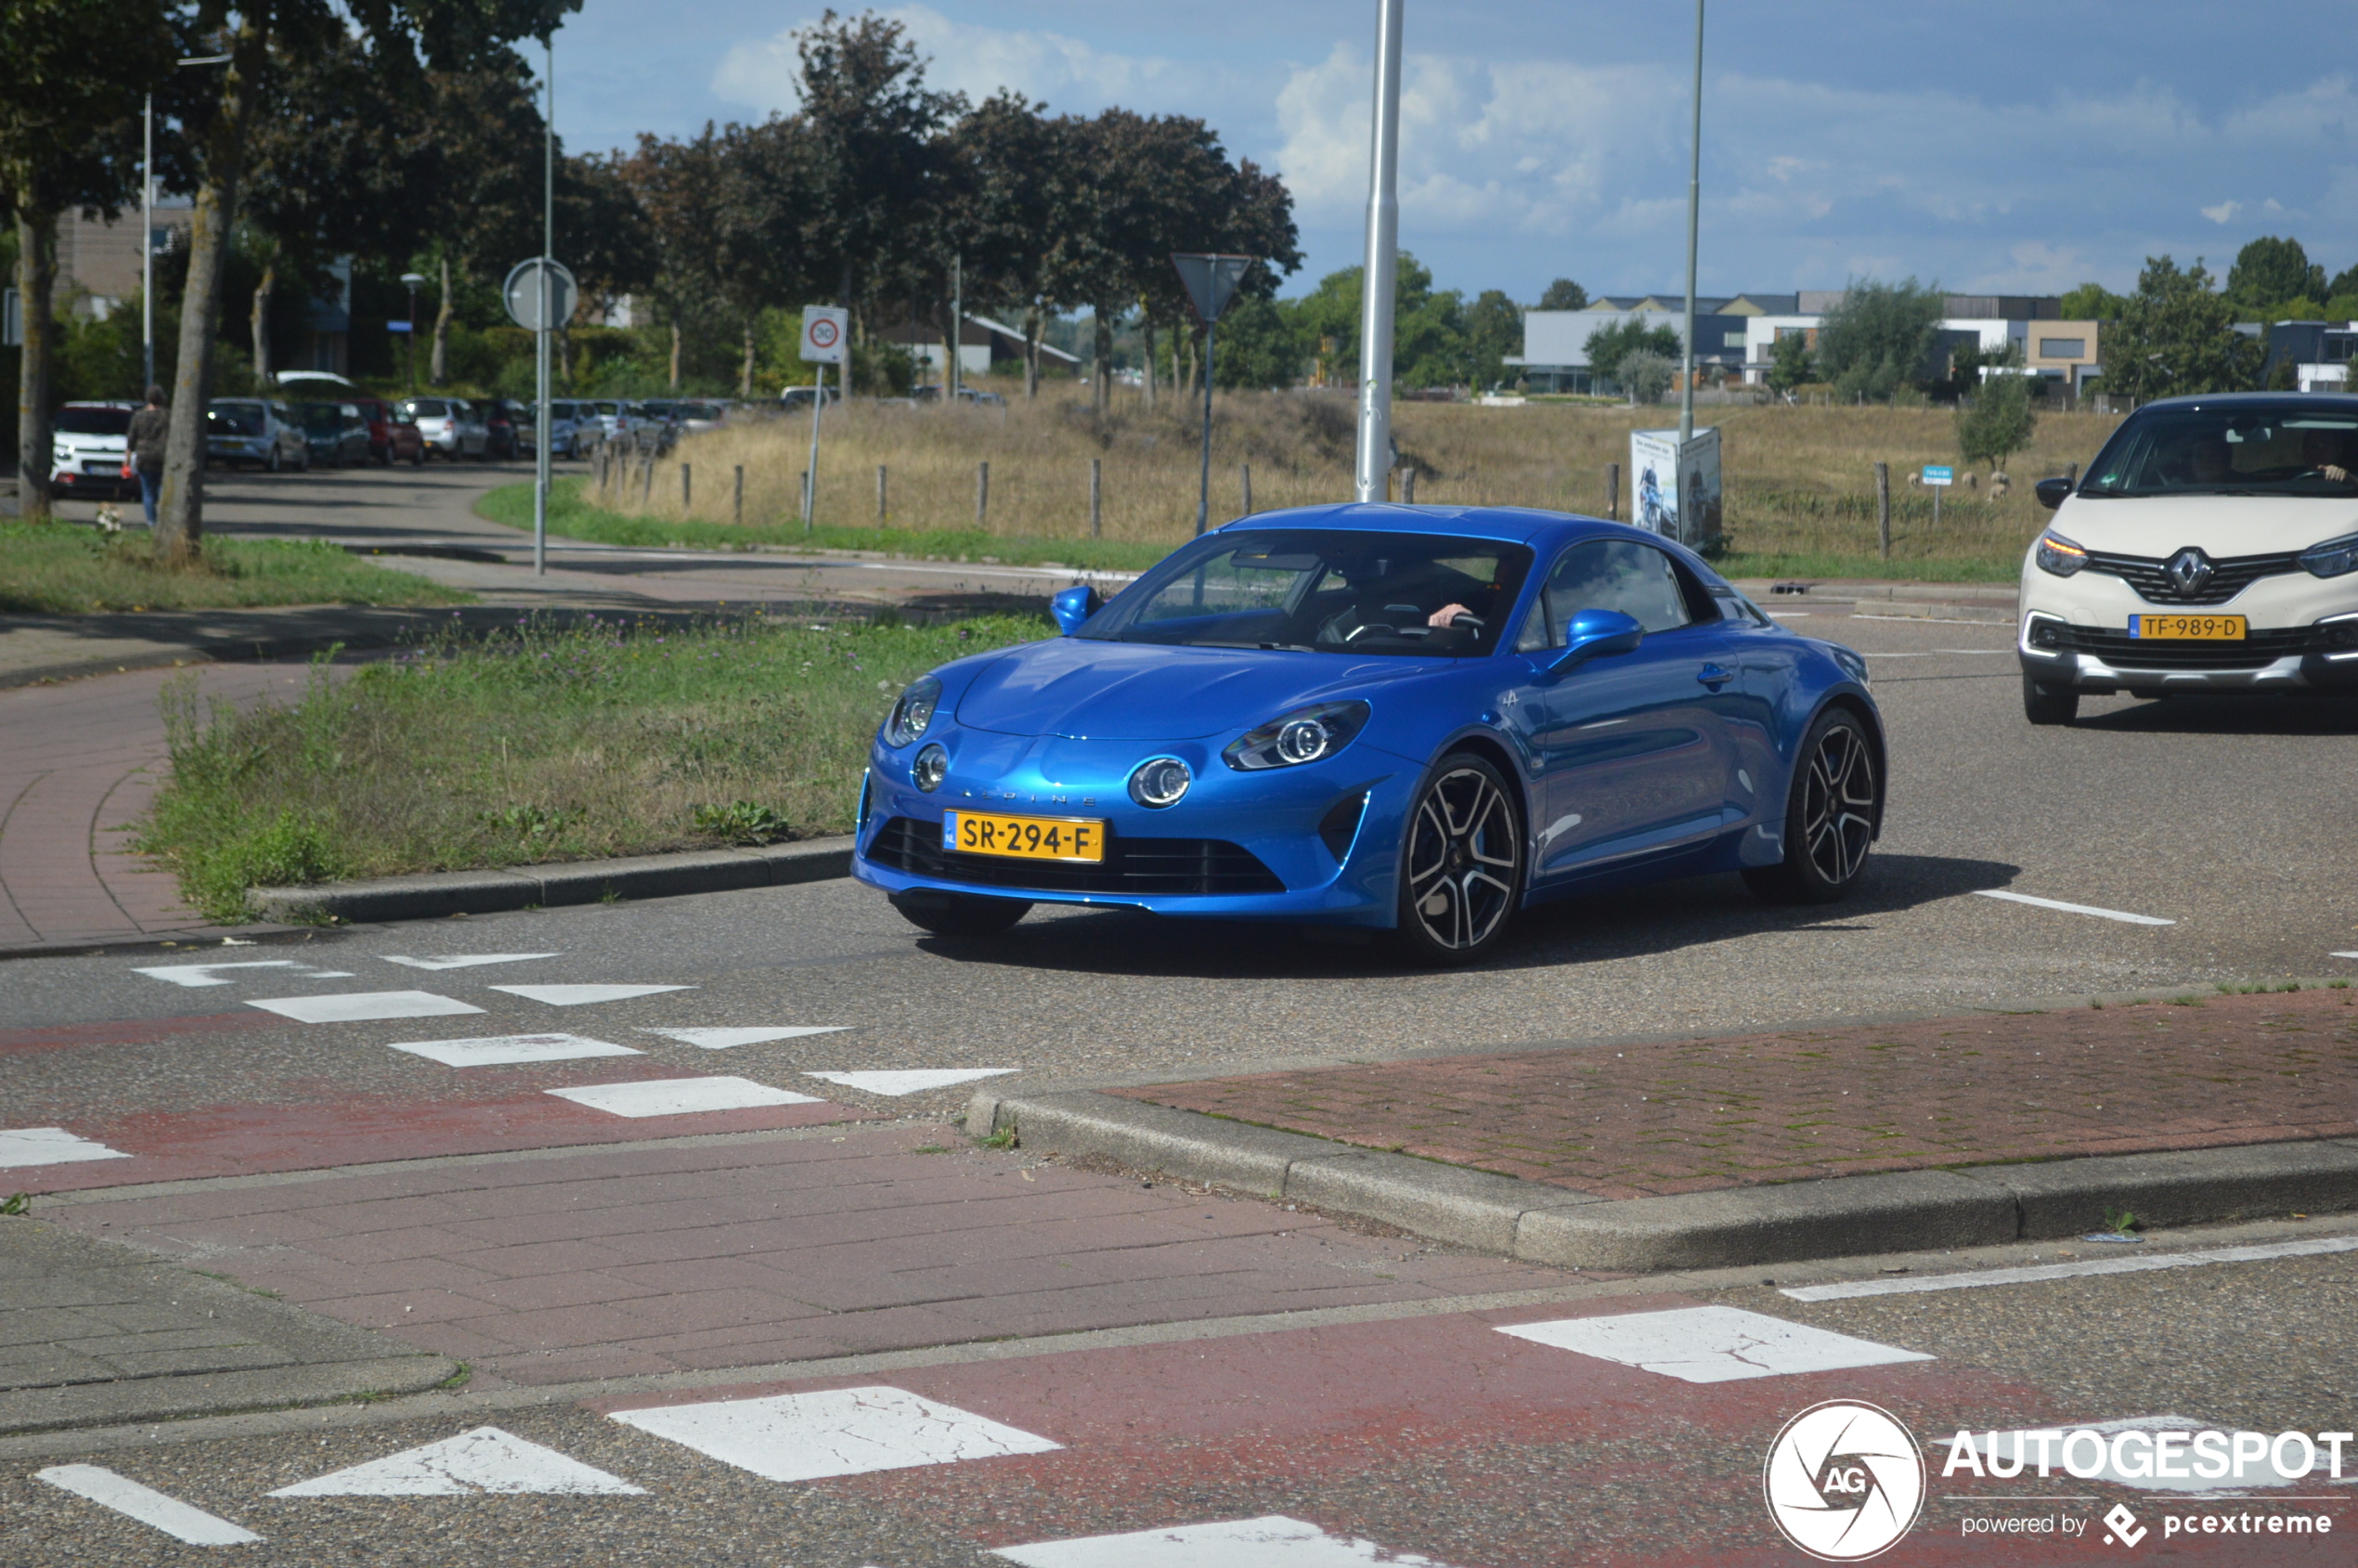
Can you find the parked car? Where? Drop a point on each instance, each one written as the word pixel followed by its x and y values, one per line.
pixel 335 432
pixel 2209 548
pixel 796 399
pixel 568 435
pixel 697 416
pixel 1420 722
pixel 613 417
pixel 448 425
pixel 966 395
pixel 498 428
pixel 254 430
pixel 393 436
pixel 86 452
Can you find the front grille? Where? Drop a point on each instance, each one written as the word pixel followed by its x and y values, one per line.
pixel 1203 867
pixel 2255 651
pixel 2229 575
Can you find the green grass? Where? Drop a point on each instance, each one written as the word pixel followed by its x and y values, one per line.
pixel 540 744
pixel 575 518
pixel 56 568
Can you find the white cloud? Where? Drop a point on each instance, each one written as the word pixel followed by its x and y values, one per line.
pixel 2223 212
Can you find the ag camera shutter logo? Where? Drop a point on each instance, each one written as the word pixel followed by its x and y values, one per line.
pixel 1844 1481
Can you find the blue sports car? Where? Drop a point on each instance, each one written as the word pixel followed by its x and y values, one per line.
pixel 1414 718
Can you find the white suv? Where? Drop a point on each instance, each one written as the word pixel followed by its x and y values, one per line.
pixel 87 447
pixel 2212 547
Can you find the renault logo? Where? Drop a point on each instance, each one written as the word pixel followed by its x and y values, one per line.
pixel 2189 569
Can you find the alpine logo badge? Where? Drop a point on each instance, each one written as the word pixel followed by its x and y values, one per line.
pixel 1844 1481
pixel 2189 569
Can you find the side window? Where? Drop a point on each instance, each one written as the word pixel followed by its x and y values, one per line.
pixel 1621 575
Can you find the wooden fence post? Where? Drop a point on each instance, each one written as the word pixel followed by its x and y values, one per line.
pixel 1408 486
pixel 1612 492
pixel 982 494
pixel 737 507
pixel 880 495
pixel 647 483
pixel 1097 495
pixel 687 489
pixel 1882 509
pixel 809 516
pixel 1246 469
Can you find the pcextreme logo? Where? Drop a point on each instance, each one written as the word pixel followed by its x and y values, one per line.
pixel 1844 1481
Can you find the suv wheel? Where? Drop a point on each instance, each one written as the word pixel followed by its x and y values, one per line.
pixel 2049 704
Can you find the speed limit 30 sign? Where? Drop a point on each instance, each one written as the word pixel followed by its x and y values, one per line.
pixel 823 328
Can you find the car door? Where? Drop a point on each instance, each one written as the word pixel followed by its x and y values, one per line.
pixel 1635 755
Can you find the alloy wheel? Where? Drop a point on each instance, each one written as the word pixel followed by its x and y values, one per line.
pixel 1463 856
pixel 1838 804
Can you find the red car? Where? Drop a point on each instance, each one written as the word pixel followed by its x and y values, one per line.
pixel 391 437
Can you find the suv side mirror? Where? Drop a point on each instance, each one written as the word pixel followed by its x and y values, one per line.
pixel 1597 634
pixel 2051 492
pixel 1073 607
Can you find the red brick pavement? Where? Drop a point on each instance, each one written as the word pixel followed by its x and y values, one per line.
pixel 1686 1116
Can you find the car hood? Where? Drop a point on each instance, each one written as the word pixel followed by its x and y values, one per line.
pixel 1089 689
pixel 2158 527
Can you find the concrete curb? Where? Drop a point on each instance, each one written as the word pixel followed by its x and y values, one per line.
pixel 1974 1206
pixel 439 894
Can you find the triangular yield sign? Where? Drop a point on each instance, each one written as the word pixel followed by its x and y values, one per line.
pixel 485 1460
pixel 1210 281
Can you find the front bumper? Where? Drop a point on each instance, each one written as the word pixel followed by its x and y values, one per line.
pixel 2074 632
pixel 1238 847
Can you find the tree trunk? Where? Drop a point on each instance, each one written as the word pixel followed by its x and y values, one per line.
pixel 745 373
pixel 262 292
pixel 1101 381
pixel 1147 325
pixel 439 364
pixel 180 509
pixel 1035 322
pixel 36 283
pixel 1194 361
pixel 675 355
pixel 948 325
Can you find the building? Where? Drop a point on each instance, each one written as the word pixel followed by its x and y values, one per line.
pixel 983 343
pixel 98 261
pixel 1555 342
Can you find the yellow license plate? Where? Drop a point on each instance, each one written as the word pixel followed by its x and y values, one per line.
pixel 1024 838
pixel 2189 629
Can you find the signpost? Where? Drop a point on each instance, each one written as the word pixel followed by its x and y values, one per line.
pixel 824 327
pixel 1939 476
pixel 1211 279
pixel 540 295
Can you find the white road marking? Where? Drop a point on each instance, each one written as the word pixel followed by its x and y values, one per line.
pixel 497 1050
pixel 1711 1344
pixel 361 1006
pixel 2121 915
pixel 2010 1448
pixel 467 960
pixel 841 1431
pixel 182 1522
pixel 1937 653
pixel 1786 614
pixel 1924 620
pixel 912 1082
pixel 2343 955
pixel 725 1038
pixel 680 1096
pixel 1271 1541
pixel 50 1145
pixel 195 975
pixel 575 995
pixel 485 1460
pixel 2030 1274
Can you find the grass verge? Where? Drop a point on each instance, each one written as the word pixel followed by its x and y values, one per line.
pixel 572 514
pixel 60 569
pixel 537 745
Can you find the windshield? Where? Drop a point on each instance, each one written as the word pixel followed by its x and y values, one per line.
pixel 1324 590
pixel 320 419
pixel 2230 449
pixel 245 419
pixel 426 408
pixel 699 411
pixel 93 421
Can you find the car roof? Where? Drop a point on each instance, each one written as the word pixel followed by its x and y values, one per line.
pixel 2341 402
pixel 1542 530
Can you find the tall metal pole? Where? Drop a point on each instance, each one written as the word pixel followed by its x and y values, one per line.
pixel 1374 466
pixel 957 328
pixel 148 247
pixel 1694 204
pixel 540 338
pixel 1203 494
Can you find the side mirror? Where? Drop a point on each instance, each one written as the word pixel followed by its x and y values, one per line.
pixel 2051 492
pixel 1073 607
pixel 1597 634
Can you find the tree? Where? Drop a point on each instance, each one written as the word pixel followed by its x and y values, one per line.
pixel 871 120
pixel 69 138
pixel 1879 338
pixel 2271 276
pixel 1790 362
pixel 479 171
pixel 2177 336
pixel 1563 294
pixel 1611 344
pixel 1494 332
pixel 1259 347
pixel 1428 341
pixel 1995 422
pixel 1646 375
pixel 397 34
pixel 2092 302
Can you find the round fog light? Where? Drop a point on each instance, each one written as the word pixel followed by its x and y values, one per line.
pixel 931 767
pixel 1161 783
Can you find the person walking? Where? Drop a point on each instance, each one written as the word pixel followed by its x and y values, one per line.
pixel 143 449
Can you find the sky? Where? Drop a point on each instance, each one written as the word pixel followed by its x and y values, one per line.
pixel 1999 146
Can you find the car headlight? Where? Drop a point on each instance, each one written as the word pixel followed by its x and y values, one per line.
pixel 931 767
pixel 914 713
pixel 1160 781
pixel 2333 558
pixel 2058 555
pixel 1306 734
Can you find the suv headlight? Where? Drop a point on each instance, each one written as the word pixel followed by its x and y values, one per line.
pixel 2333 558
pixel 2058 555
pixel 913 715
pixel 1307 734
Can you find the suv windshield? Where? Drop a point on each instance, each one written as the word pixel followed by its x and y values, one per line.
pixel 320 419
pixel 2230 449
pixel 93 421
pixel 1330 591
pixel 243 419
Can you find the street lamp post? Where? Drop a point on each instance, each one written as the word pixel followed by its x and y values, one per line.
pixel 1372 478
pixel 1695 201
pixel 413 281
pixel 540 338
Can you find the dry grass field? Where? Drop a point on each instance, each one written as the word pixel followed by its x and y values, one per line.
pixel 1799 481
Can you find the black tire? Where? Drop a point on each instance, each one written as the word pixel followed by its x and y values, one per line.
pixel 418 458
pixel 2048 705
pixel 1461 868
pixel 959 914
pixel 1833 812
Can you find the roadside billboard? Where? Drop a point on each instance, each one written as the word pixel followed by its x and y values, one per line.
pixel 1674 490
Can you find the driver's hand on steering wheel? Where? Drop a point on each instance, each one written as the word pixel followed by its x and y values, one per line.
pixel 1447 615
pixel 2333 472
